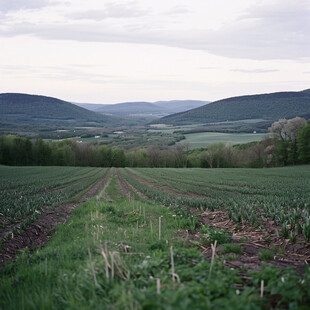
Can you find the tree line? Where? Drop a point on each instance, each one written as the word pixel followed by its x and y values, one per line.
pixel 288 144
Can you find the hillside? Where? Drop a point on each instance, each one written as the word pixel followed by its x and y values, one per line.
pixel 42 110
pixel 266 107
pixel 176 106
pixel 159 108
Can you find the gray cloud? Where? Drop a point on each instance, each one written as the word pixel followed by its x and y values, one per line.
pixel 15 5
pixel 264 32
pixel 111 10
pixel 255 70
pixel 71 72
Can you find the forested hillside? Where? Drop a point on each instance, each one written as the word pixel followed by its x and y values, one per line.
pixel 159 108
pixel 266 106
pixel 33 109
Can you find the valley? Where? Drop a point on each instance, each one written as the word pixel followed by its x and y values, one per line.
pixel 122 211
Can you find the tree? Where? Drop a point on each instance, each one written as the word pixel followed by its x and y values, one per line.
pixel 286 132
pixel 303 144
pixel 105 156
pixel 214 155
pixel 118 157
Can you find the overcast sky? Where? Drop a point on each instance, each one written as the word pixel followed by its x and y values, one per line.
pixel 144 50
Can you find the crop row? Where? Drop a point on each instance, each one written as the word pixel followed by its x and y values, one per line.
pixel 29 180
pixel 28 207
pixel 287 208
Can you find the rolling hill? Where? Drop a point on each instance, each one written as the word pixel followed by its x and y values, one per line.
pixel 159 108
pixel 42 110
pixel 268 107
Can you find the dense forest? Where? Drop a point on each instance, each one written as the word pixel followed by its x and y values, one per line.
pixel 266 106
pixel 47 111
pixel 288 145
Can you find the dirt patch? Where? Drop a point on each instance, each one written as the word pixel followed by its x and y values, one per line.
pixel 252 240
pixel 40 231
pixel 122 184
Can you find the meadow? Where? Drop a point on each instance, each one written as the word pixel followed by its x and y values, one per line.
pixel 159 239
pixel 202 139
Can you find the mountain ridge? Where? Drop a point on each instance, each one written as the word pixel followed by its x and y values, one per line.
pixel 270 106
pixel 25 108
pixel 144 107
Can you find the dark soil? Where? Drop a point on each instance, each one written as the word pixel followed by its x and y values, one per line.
pixel 40 231
pixel 252 240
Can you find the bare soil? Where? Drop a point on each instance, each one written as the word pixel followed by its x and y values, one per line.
pixel 252 240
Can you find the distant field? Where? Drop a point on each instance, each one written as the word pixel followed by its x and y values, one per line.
pixel 202 139
pixel 171 129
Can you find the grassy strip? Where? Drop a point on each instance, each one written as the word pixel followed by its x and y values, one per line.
pixel 112 256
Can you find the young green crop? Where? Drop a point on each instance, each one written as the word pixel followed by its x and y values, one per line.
pixel 27 192
pixel 252 196
pixel 109 256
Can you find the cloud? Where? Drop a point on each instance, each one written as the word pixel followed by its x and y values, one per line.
pixel 208 68
pixel 178 10
pixel 255 70
pixel 15 5
pixel 71 72
pixel 280 30
pixel 111 10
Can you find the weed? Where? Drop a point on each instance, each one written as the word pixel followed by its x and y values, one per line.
pixel 267 239
pixel 212 234
pixel 265 254
pixel 231 257
pixel 241 240
pixel 232 248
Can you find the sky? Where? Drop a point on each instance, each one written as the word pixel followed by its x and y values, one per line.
pixel 99 51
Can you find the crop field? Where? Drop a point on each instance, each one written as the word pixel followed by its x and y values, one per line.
pixel 201 139
pixel 155 238
pixel 27 192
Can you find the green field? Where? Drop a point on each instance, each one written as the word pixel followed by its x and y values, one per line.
pixel 27 192
pixel 162 239
pixel 201 139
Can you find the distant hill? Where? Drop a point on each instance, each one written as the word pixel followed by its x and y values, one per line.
pixel 42 110
pixel 266 107
pixel 176 106
pixel 159 108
